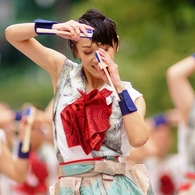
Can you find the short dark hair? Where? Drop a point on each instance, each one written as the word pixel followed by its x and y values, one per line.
pixel 104 29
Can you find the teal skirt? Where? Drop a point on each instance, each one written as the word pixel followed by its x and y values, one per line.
pixel 100 178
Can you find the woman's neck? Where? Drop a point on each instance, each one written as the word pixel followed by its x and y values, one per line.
pixel 93 83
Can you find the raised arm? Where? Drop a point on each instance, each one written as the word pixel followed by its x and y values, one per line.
pixel 22 37
pixel 180 88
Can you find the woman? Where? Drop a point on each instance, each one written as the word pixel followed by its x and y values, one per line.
pixel 91 128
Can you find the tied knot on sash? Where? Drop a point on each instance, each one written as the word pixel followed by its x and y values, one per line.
pixel 110 167
pixel 86 120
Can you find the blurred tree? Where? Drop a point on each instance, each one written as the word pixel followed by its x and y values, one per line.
pixel 27 11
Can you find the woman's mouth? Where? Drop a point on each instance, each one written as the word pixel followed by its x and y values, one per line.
pixel 95 66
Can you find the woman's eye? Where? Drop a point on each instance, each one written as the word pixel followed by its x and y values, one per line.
pixel 106 49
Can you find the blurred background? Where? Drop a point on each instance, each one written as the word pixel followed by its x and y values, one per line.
pixel 153 35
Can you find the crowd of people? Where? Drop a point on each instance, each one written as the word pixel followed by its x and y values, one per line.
pixel 93 138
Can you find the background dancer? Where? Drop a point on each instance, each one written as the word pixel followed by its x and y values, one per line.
pixel 183 98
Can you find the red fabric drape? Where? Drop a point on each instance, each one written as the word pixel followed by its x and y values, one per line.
pixel 86 120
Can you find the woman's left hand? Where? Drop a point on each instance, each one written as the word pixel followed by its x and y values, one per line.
pixel 112 68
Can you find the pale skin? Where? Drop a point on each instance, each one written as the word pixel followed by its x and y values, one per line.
pixel 22 37
pixel 180 88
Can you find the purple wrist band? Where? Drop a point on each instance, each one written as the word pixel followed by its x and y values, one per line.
pixel 18 115
pixel 46 24
pixel 126 104
pixel 193 55
pixel 159 119
pixel 21 154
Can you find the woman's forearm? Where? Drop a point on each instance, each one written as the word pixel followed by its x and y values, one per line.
pixel 136 129
pixel 20 32
pixel 135 125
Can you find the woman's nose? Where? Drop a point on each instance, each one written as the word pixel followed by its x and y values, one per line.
pixel 94 58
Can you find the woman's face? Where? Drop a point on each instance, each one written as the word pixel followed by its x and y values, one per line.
pixel 86 52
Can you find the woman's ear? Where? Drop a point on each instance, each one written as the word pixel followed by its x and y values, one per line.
pixel 118 44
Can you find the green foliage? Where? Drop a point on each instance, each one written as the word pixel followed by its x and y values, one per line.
pixel 32 85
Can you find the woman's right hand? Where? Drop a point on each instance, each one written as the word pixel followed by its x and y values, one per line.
pixel 73 27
